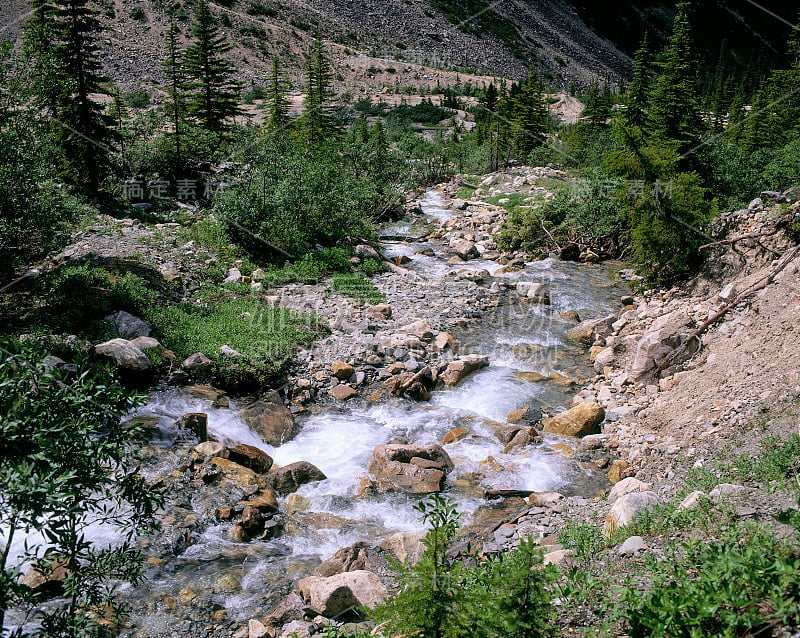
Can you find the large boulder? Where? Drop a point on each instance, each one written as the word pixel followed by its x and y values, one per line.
pixel 252 457
pixel 458 370
pixel 588 331
pixel 582 420
pixel 464 249
pixel 407 547
pixel 666 334
pixel 337 594
pixel 128 326
pixel 133 364
pixel 410 468
pixel 270 419
pixel 289 478
pixel 347 559
pixel 625 508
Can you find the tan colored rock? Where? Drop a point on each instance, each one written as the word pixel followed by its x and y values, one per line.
pixel 620 469
pixel 410 468
pixel 522 438
pixel 558 557
pixel 587 331
pixel 516 416
pixel 444 340
pixel 289 478
pixel 342 370
pixel 186 595
pixel 335 594
pixel 583 419
pixel 407 547
pixel 382 310
pixel 265 501
pixel 533 377
pixel 692 500
pixel 256 629
pixel 544 499
pixel 130 361
pixel 626 507
pixel 626 486
pixel 454 435
pixel 238 474
pixel 251 457
pixel 564 450
pixel 342 392
pixel 458 370
pixel 270 419
pixel 347 559
pixel 211 448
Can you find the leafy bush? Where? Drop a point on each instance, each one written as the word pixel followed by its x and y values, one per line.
pixel 441 596
pixel 741 585
pixel 258 9
pixel 425 113
pixel 783 172
pixel 137 99
pixel 80 296
pixel 67 467
pixel 297 196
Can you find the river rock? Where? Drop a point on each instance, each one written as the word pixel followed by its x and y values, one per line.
pixel 264 501
pixel 692 500
pixel 342 370
pixel 342 392
pixel 347 559
pixel 381 310
pixel 128 326
pixel 211 448
pixel 444 340
pixel 578 421
pixel 131 362
pixel 238 474
pixel 626 507
pixel 587 331
pixel 288 609
pixel 46 580
pixel 410 468
pixel 454 435
pixel 252 457
pixel 458 370
pixel 407 547
pixel 197 363
pixel 289 478
pixel 604 358
pixel 458 204
pixel 667 333
pixel 620 469
pixel 145 343
pixel 632 545
pixel 334 595
pixel 627 486
pixel 270 419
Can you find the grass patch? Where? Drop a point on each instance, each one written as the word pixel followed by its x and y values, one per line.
pixel 357 286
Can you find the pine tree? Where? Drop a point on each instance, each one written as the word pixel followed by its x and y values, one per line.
pixel 84 131
pixel 277 104
pixel 39 49
pixel 175 107
pixel 490 98
pixel 317 124
pixel 597 109
pixel 635 115
pixel 530 115
pixel 215 91
pixel 672 109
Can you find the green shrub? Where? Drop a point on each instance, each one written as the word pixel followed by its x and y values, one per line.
pixel 258 9
pixel 137 99
pixel 742 585
pixel 80 296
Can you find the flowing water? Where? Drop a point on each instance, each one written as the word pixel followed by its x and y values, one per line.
pixel 519 338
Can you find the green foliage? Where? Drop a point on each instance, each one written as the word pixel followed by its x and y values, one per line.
pixel 444 597
pixel 66 469
pixel 266 336
pixel 296 196
pixel 357 286
pixel 214 90
pixel 425 113
pixel 740 585
pixel 258 9
pixel 584 537
pixel 783 171
pixel 137 99
pixel 80 296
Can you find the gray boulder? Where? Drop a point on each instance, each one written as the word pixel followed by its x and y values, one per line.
pixel 128 326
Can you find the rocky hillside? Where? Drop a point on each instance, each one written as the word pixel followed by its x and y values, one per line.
pixel 395 43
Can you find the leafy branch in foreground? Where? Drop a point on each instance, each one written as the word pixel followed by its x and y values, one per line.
pixel 66 470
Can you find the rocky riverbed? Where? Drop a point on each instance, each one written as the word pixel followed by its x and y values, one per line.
pixel 532 393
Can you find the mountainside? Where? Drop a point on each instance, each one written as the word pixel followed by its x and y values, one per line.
pixel 568 41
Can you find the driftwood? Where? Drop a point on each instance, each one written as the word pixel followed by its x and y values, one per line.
pixel 552 239
pixel 417 378
pixel 468 185
pixel 759 285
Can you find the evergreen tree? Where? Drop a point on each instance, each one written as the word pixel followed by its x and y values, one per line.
pixel 61 44
pixel 597 109
pixel 672 109
pixel 316 121
pixel 175 107
pixel 530 116
pixel 215 91
pixel 640 86
pixel 277 104
pixel 490 98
